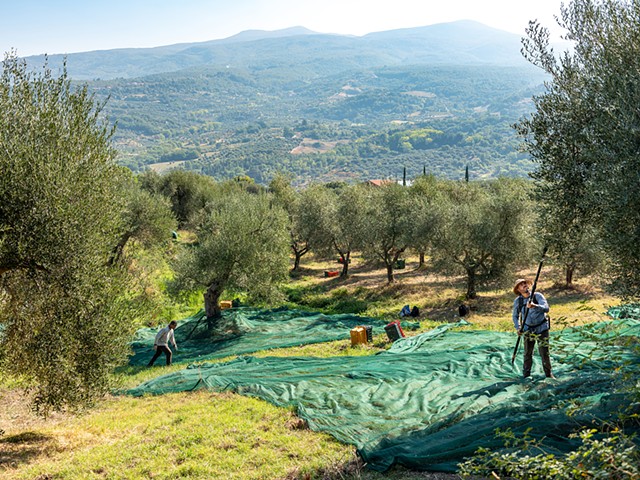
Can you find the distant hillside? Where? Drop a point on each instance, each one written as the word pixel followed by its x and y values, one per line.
pixel 459 43
pixel 358 124
pixel 321 107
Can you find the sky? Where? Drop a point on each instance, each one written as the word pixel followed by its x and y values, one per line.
pixel 67 26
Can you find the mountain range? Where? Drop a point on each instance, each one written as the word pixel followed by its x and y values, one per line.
pixel 461 42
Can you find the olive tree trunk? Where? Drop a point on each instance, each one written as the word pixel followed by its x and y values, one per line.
pixel 471 284
pixel 212 303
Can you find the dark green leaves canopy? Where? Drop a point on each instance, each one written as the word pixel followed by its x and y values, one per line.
pixel 60 218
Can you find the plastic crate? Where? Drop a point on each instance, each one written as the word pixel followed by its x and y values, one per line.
pixel 394 330
pixel 358 336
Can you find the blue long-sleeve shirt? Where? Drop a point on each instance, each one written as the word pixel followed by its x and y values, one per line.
pixel 536 320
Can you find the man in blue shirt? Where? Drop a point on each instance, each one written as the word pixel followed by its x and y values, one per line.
pixel 535 328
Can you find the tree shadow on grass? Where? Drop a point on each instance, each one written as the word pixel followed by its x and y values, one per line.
pixel 25 446
pixel 348 469
pixel 562 295
pixel 354 469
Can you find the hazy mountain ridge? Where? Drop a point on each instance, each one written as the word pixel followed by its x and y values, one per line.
pixel 462 42
pixel 252 35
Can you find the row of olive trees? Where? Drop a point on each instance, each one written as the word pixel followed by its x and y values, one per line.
pixel 245 233
pixel 479 229
pixel 67 214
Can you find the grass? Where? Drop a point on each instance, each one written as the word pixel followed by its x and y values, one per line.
pixel 204 435
pixel 196 435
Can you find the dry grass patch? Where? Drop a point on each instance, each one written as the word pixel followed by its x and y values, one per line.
pixel 197 435
pixel 367 292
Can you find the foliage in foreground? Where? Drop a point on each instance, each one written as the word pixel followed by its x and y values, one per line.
pixel 61 304
pixel 613 457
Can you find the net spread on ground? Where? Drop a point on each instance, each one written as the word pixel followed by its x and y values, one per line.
pixel 246 330
pixel 432 399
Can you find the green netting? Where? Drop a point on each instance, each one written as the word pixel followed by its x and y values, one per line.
pixel 433 399
pixel 247 330
pixel 631 310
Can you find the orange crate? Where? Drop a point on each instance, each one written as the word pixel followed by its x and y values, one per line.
pixel 358 336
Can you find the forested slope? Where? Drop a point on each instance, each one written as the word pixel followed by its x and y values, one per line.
pixel 326 107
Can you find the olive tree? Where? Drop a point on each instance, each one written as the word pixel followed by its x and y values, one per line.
pixel 347 221
pixel 482 229
pixel 386 226
pixel 188 192
pixel 423 195
pixel 62 305
pixel 242 246
pixel 313 211
pixel 575 244
pixel 585 130
pixel 334 219
pixel 299 231
pixel 147 219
